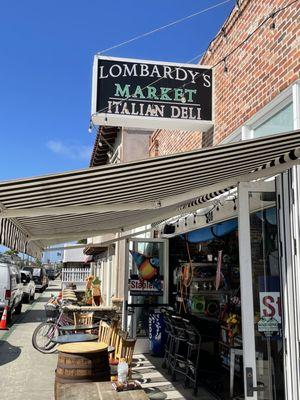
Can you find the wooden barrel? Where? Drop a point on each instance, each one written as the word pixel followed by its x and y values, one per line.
pixel 82 362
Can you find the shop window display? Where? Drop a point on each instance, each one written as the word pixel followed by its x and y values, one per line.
pixel 206 288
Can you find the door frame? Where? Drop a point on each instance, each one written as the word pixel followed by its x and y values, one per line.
pixel 245 260
pixel 288 193
pixel 126 274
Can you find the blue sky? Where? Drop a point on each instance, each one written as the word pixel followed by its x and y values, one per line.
pixel 47 50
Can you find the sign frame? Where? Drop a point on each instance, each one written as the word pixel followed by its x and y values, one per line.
pixel 148 122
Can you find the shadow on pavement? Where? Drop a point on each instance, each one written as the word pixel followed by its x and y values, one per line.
pixel 42 299
pixel 8 352
pixel 53 289
pixel 32 316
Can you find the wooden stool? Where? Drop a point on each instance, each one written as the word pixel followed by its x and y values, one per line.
pixel 82 362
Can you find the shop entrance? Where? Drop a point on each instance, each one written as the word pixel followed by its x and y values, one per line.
pixel 146 286
pixel 260 275
pixel 226 278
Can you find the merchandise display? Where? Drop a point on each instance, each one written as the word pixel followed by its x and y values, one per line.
pixel 206 284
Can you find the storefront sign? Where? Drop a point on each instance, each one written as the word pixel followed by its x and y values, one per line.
pixel 269 298
pixel 270 305
pixel 148 94
pixel 138 287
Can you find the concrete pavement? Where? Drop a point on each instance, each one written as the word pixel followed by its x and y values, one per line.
pixel 25 373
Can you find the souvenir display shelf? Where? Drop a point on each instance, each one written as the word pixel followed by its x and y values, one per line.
pixel 206 302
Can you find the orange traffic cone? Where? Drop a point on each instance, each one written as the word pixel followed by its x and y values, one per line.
pixel 3 319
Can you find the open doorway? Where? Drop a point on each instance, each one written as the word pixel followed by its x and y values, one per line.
pixel 226 279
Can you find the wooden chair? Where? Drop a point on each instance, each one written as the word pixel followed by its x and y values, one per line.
pixel 108 332
pixel 127 349
pixel 118 344
pixel 114 328
pixel 83 318
pixel 126 352
pixel 104 333
pixel 114 337
pixel 115 357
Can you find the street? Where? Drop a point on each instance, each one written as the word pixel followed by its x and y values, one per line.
pixel 24 372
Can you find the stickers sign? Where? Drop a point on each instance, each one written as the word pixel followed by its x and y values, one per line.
pixel 268 326
pixel 270 305
pixel 138 287
pixel 148 94
pixel 269 297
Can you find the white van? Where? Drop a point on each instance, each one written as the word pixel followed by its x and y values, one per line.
pixel 28 286
pixel 11 291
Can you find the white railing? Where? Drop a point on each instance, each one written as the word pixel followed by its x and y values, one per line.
pixel 74 275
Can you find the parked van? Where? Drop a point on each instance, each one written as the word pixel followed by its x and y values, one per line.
pixel 28 286
pixel 40 279
pixel 11 291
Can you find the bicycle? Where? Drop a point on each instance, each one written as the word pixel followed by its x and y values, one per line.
pixel 48 330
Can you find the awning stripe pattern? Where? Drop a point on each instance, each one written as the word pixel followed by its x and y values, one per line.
pixel 158 187
pixel 204 199
pixel 285 158
pixel 11 236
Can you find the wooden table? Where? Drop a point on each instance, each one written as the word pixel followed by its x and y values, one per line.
pixel 71 328
pixel 75 338
pixel 96 391
pixel 77 348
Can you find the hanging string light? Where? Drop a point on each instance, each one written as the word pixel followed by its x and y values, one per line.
pixel 234 204
pixel 272 25
pixel 225 65
pixel 224 34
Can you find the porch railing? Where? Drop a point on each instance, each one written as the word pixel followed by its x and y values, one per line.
pixel 74 275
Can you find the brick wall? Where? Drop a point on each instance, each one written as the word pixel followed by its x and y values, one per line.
pixel 256 73
pixel 164 142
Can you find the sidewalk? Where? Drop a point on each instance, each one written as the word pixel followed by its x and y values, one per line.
pixel 157 383
pixel 26 374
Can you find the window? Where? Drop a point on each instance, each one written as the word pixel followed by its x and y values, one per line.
pixel 280 122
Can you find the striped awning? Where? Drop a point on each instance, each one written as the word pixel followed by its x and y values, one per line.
pixel 37 212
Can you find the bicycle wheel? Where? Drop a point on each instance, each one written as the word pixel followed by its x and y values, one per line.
pixel 42 336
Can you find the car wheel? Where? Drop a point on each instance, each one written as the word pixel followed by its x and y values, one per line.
pixel 18 309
